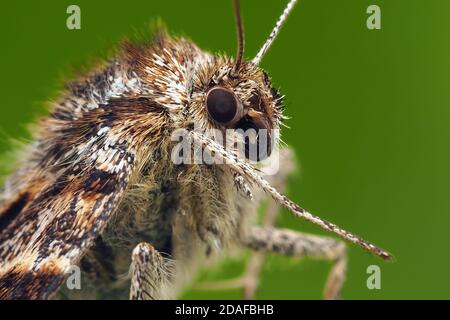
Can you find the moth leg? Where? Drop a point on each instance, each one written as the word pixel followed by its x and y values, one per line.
pixel 296 244
pixel 149 273
pixel 249 281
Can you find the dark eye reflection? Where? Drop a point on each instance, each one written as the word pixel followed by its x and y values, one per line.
pixel 257 138
pixel 223 106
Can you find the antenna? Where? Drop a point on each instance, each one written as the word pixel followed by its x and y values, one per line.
pixel 240 36
pixel 257 59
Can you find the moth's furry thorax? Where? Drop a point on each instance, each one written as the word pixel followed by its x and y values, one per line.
pixel 101 165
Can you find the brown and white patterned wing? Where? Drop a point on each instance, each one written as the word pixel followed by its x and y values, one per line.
pixel 54 232
pixel 62 200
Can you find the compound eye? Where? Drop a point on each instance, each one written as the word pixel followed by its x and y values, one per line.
pixel 223 106
pixel 258 139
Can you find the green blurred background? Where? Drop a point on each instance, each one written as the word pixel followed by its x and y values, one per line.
pixel 369 112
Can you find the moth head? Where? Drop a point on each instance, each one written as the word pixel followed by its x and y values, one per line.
pixel 237 94
pixel 244 102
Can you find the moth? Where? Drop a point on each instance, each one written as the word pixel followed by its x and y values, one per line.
pixel 98 187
